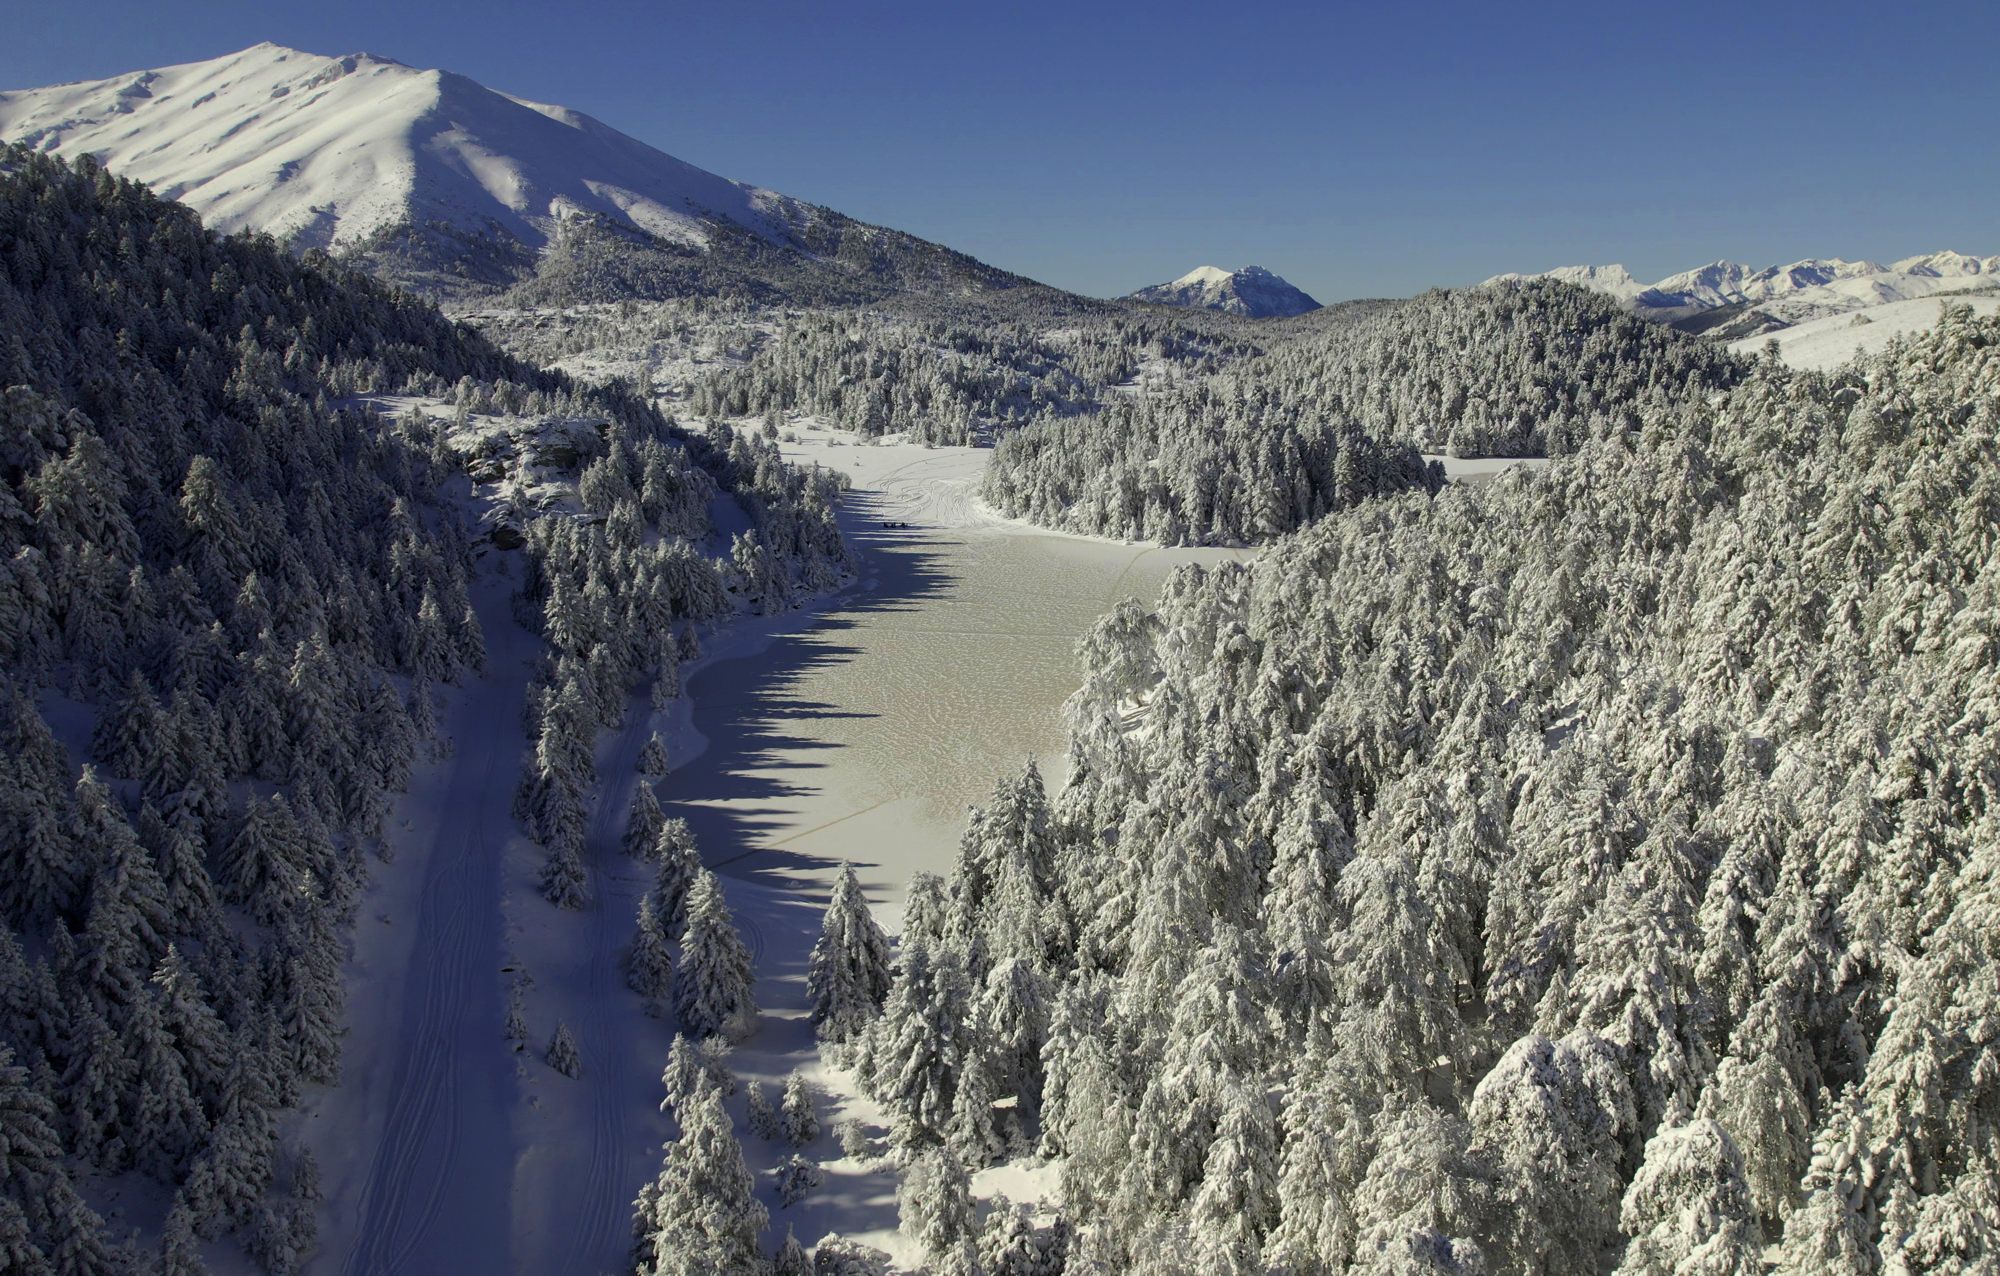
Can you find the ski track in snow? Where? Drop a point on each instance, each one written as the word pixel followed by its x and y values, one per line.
pixel 609 1177
pixel 425 1188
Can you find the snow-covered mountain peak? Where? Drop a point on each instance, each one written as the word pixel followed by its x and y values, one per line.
pixel 430 171
pixel 1201 275
pixel 332 151
pixel 1250 290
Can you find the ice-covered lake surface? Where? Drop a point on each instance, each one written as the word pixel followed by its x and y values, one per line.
pixel 864 730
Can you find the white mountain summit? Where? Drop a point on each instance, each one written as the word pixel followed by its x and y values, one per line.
pixel 360 153
pixel 1252 291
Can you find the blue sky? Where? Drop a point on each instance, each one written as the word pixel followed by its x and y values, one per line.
pixel 1358 150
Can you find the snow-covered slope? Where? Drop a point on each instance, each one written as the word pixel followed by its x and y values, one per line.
pixel 331 151
pixel 1828 342
pixel 1780 296
pixel 1252 291
pixel 348 153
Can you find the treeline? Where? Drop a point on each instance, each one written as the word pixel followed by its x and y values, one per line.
pixel 952 379
pixel 1206 466
pixel 1593 870
pixel 1531 369
pixel 616 594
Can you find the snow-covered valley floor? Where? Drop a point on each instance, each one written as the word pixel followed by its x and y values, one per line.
pixel 858 729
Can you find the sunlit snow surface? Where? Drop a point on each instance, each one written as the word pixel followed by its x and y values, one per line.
pixel 331 151
pixel 865 734
pixel 862 732
pixel 1820 345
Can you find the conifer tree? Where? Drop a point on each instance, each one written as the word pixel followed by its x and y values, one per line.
pixel 847 977
pixel 180 1251
pixel 642 826
pixel 712 983
pixel 649 968
pixel 763 1117
pixel 682 1074
pixel 791 1258
pixel 796 1177
pixel 679 865
pixel 800 1122
pixel 1688 1208
pixel 653 757
pixel 700 1214
pixel 562 877
pixel 920 1047
pixel 934 1204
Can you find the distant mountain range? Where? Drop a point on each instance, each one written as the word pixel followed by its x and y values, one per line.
pixel 1729 300
pixel 1252 291
pixel 437 181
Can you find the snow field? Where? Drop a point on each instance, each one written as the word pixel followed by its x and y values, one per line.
pixel 1820 345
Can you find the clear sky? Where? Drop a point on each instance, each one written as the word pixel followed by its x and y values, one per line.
pixel 1357 149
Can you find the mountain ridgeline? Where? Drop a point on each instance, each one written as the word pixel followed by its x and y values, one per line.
pixel 431 180
pixel 1727 300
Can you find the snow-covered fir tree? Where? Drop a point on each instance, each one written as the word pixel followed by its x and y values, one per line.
pixel 562 1053
pixel 848 974
pixel 712 994
pixel 762 1116
pixel 700 1214
pixel 649 967
pixel 799 1122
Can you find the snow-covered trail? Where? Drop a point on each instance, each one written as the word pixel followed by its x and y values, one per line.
pixel 415 1144
pixel 589 1201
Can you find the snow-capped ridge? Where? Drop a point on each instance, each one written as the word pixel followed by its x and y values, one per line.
pixel 1614 279
pixel 1782 295
pixel 1201 275
pixel 333 151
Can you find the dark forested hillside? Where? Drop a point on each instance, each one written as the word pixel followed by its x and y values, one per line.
pixel 234 582
pixel 1592 870
pixel 226 605
pixel 827 260
pixel 1521 370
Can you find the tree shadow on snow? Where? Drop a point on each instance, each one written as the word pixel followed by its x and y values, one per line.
pixel 751 714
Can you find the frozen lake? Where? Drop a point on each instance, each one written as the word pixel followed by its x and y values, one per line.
pixel 864 730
